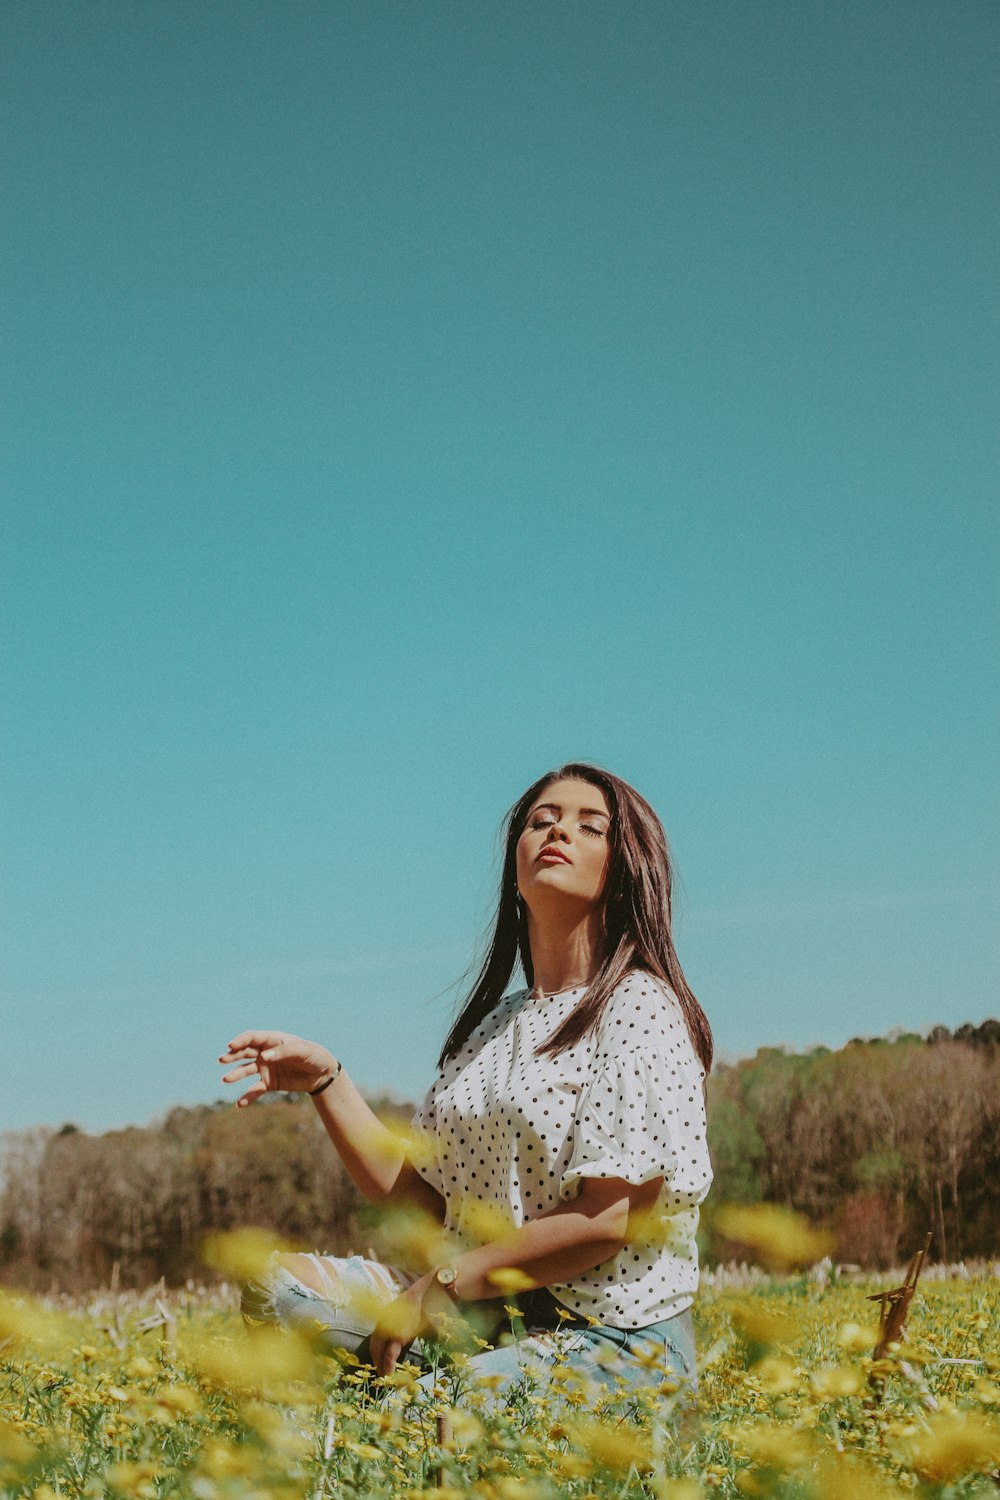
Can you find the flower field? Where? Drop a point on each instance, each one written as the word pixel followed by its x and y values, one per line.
pixel 166 1395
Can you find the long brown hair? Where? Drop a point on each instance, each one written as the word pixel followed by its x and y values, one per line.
pixel 636 913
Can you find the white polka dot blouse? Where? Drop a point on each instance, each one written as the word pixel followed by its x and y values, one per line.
pixel 511 1134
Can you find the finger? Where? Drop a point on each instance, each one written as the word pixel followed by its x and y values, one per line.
pixel 245 1071
pixel 256 1039
pixel 236 1054
pixel 390 1356
pixel 251 1094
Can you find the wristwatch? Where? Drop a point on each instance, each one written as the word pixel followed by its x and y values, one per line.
pixel 446 1276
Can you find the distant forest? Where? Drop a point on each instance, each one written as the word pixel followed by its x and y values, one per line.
pixel 880 1141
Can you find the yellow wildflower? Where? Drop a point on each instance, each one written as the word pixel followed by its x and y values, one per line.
pixel 955 1443
pixel 832 1382
pixel 778 1236
pixel 775 1375
pixel 613 1447
pixel 242 1254
pixel 510 1279
pixel 858 1338
pixel 771 1447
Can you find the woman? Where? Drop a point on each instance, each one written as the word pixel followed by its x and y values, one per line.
pixel 573 1107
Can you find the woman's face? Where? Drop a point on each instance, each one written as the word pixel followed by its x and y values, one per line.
pixel 563 852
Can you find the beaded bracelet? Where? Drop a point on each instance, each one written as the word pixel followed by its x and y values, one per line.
pixel 335 1074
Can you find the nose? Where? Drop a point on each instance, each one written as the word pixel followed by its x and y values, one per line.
pixel 556 831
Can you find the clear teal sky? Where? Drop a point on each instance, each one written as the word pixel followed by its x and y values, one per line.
pixel 401 398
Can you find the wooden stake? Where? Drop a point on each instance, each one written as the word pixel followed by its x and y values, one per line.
pixel 893 1308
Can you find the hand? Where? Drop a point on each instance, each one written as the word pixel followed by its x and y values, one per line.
pixel 283 1064
pixel 398 1325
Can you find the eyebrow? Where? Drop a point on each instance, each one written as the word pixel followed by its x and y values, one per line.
pixel 590 812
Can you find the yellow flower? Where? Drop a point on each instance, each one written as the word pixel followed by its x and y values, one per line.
pixel 483 1222
pixel 832 1382
pixel 779 1237
pixel 271 1424
pixel 858 1338
pixel 775 1375
pixel 771 1447
pixel 23 1321
pixel 263 1359
pixel 613 1447
pixel 362 1450
pixel 179 1398
pixel 510 1279
pixel 14 1446
pixel 847 1479
pixel 571 1465
pixel 242 1254
pixel 759 1330
pixel 955 1443
pixel 133 1479
pixel 466 1428
pixel 223 1460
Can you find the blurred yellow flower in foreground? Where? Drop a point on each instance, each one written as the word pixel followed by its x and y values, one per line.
pixel 482 1222
pixel 858 1338
pixel 774 1375
pixel 832 1382
pixel 241 1254
pixel 511 1280
pixel 955 1443
pixel 14 1446
pixel 778 1236
pixel 23 1321
pixel 771 1447
pixel 258 1361
pixel 618 1447
pixel 762 1324
pixel 133 1478
pixel 846 1479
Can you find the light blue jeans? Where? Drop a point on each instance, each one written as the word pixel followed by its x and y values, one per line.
pixel 604 1361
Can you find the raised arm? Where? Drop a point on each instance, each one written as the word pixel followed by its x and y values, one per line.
pixel 374 1157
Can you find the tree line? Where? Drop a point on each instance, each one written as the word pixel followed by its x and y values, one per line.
pixel 880 1141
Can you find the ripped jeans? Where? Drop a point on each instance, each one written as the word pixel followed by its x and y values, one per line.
pixel 605 1361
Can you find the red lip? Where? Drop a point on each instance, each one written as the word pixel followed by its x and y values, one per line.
pixel 550 853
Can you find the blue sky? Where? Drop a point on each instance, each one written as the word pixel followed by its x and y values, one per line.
pixel 403 398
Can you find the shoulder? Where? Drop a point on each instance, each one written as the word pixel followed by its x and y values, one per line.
pixel 486 1031
pixel 643 1014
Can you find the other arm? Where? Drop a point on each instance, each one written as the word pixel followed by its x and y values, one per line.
pixel 568 1240
pixel 375 1158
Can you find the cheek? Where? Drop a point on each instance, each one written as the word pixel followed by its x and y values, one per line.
pixel 600 865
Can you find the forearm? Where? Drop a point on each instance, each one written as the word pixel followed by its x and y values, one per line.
pixel 375 1158
pixel 556 1247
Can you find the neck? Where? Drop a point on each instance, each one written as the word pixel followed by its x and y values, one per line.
pixel 565 949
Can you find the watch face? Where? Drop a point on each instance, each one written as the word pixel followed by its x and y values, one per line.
pixel 447 1275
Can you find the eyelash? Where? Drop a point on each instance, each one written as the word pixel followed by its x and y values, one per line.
pixel 596 833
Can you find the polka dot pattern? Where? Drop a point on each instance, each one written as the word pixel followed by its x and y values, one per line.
pixel 510 1135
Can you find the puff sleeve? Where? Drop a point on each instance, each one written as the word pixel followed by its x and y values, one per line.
pixel 641 1116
